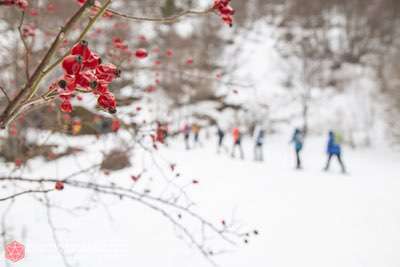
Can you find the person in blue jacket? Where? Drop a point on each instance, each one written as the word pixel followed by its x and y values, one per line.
pixel 297 140
pixel 334 149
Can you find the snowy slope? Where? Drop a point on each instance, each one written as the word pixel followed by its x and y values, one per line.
pixel 307 218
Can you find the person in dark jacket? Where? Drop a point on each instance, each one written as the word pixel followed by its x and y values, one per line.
pixel 334 149
pixel 221 135
pixel 186 135
pixel 297 140
pixel 258 144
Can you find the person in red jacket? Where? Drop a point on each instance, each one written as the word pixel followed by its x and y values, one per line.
pixel 237 142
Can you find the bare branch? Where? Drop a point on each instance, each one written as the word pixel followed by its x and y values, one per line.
pixel 53 229
pixel 27 50
pixel 5 93
pixel 24 193
pixel 31 87
pixel 170 19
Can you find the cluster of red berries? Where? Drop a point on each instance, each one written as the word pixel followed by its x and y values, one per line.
pixel 83 69
pixel 160 134
pixel 21 4
pixel 225 11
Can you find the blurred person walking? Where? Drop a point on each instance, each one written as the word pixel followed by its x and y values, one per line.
pixel 221 135
pixel 186 135
pixel 298 140
pixel 259 136
pixel 196 133
pixel 334 149
pixel 237 142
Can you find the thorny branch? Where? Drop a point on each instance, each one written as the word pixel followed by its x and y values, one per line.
pixel 26 100
pixel 157 204
pixel 21 101
pixel 13 108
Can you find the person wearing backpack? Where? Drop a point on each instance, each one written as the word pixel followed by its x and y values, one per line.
pixel 298 140
pixel 334 150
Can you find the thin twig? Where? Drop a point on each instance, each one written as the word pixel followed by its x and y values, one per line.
pixel 24 193
pixel 5 93
pixel 170 19
pixel 21 35
pixel 53 229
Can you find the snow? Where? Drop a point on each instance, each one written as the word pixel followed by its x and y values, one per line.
pixel 306 218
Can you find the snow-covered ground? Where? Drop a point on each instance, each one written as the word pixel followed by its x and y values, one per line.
pixel 306 218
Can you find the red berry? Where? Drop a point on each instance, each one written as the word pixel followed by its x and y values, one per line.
pixel 107 72
pixel 67 85
pixel 66 106
pixel 86 80
pixel 67 117
pixel 135 178
pixel 33 12
pixel 72 64
pixel 51 7
pixel 22 4
pixel 102 88
pixel 115 125
pixel 9 2
pixel 59 185
pixel 150 89
pixel 81 2
pixel 142 38
pixel 227 10
pixel 169 53
pixel 92 62
pixel 141 53
pixel 18 163
pixel 107 101
pixel 81 49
